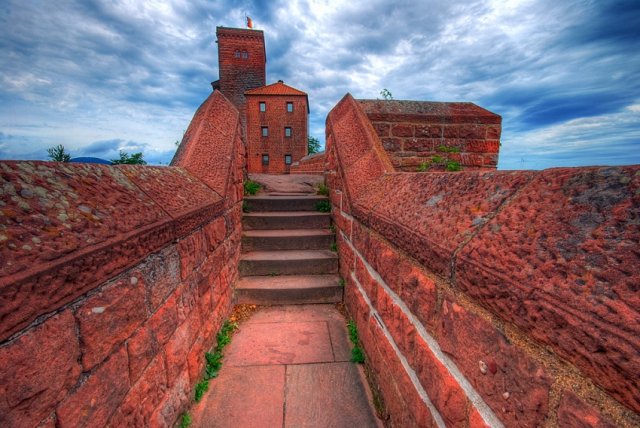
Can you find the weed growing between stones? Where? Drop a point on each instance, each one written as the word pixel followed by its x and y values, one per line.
pixel 357 355
pixel 442 161
pixel 334 247
pixel 251 187
pixel 322 190
pixel 245 207
pixel 214 360
pixel 185 421
pixel 342 282
pixel 323 206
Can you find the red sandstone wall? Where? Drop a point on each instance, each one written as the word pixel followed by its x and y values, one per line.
pixel 311 164
pixel 495 298
pixel 276 145
pixel 415 132
pixel 114 280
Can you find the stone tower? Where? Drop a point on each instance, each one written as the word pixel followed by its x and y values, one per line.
pixel 242 63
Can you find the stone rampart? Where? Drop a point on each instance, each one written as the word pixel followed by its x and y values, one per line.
pixel 114 280
pixel 489 298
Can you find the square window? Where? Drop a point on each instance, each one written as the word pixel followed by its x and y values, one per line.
pixel 287 159
pixel 287 131
pixel 290 107
pixel 245 55
pixel 265 131
pixel 265 159
pixel 263 106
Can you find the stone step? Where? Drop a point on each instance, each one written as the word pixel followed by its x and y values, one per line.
pixel 290 239
pixel 285 220
pixel 263 203
pixel 288 262
pixel 288 289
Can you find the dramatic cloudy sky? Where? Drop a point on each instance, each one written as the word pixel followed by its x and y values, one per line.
pixel 99 76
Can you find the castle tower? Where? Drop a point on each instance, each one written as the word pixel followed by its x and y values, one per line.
pixel 242 62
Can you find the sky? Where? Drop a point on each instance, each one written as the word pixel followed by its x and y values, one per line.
pixel 103 76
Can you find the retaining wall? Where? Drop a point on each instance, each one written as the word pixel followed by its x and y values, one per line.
pixel 114 280
pixel 310 164
pixel 489 298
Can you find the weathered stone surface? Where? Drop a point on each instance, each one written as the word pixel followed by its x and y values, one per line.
pixel 473 343
pixel 95 400
pixel 430 215
pixel 575 413
pixel 160 273
pixel 326 395
pixel 177 348
pixel 560 261
pixel 39 369
pixel 109 318
pixel 68 233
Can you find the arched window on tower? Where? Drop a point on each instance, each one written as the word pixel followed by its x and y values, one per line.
pixel 237 53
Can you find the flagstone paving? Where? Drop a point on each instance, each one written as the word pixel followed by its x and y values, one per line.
pixel 288 366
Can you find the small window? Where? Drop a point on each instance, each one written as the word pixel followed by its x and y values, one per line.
pixel 263 106
pixel 237 54
pixel 290 107
pixel 287 159
pixel 265 159
pixel 245 54
pixel 265 131
pixel 287 131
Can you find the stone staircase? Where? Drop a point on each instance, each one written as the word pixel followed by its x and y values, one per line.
pixel 286 252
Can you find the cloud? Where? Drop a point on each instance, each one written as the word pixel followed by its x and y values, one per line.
pixel 88 74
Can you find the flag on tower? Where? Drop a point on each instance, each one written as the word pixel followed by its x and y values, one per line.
pixel 249 22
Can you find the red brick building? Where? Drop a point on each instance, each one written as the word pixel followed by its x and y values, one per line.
pixel 275 117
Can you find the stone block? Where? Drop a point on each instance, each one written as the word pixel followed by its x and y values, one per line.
pixel 392 144
pixel 429 131
pixel 39 368
pixel 382 129
pixel 93 403
pixel 143 398
pixel 441 387
pixel 175 401
pixel 160 273
pixel 142 348
pixel 402 130
pixel 110 317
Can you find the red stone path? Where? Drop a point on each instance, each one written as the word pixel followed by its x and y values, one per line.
pixel 288 366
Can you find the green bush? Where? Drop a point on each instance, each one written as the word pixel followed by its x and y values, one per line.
pixel 185 421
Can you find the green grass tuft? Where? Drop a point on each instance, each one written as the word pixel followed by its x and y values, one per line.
pixel 201 388
pixel 322 190
pixel 185 420
pixel 251 187
pixel 334 247
pixel 453 166
pixel 357 356
pixel 323 206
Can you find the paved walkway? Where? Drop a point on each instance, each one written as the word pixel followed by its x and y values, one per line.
pixel 288 366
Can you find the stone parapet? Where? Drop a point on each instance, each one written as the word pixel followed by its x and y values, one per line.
pixel 115 279
pixel 483 297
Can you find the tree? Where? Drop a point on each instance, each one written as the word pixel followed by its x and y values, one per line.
pixel 386 94
pixel 313 144
pixel 125 158
pixel 57 154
